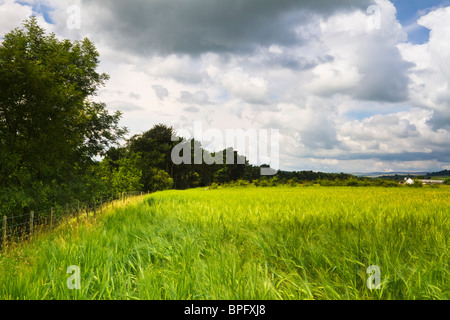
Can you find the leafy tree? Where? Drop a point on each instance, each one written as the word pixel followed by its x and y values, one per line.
pixel 155 147
pixel 222 175
pixel 160 180
pixel 50 130
pixel 127 176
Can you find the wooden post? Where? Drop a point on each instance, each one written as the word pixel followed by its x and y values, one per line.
pixel 78 211
pixel 4 229
pixel 67 213
pixel 31 224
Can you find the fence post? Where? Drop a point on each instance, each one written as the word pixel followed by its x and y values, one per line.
pixel 4 230
pixel 31 224
pixel 78 211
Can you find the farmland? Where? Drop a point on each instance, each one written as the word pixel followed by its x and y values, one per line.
pixel 245 243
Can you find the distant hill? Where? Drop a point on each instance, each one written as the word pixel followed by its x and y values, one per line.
pixel 444 173
pixel 401 175
pixel 389 174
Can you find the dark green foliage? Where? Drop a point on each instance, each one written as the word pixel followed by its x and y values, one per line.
pixel 442 173
pixel 160 180
pixel 50 131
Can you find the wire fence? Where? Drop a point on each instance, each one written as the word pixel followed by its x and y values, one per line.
pixel 17 228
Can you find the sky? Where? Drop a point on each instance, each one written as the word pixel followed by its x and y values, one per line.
pixel 351 85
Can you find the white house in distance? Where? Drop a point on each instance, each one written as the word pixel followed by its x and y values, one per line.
pixel 411 181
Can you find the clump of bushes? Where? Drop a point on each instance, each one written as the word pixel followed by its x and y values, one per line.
pixel 214 186
pixel 350 182
pixel 416 184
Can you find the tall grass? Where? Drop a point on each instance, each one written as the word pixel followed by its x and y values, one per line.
pixel 246 243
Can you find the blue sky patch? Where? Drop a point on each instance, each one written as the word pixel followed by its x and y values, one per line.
pixel 409 11
pixel 39 8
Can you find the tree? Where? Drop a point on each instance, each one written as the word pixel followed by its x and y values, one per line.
pixel 155 146
pixel 160 180
pixel 127 176
pixel 50 130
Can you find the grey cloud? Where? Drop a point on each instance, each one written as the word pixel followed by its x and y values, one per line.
pixel 440 120
pixel 191 109
pixel 198 26
pixel 405 156
pixel 442 156
pixel 319 136
pixel 134 95
pixel 160 91
pixel 381 128
pixel 293 62
pixel 385 75
pixel 198 98
pixel 123 106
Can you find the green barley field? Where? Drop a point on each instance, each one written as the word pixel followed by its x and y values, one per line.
pixel 245 243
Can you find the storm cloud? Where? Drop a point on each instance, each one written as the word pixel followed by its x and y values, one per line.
pixel 197 26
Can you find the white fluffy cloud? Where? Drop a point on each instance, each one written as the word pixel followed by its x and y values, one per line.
pixel 366 65
pixel 251 89
pixel 430 85
pixel 12 14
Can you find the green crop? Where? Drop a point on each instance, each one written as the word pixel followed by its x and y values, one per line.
pixel 245 243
